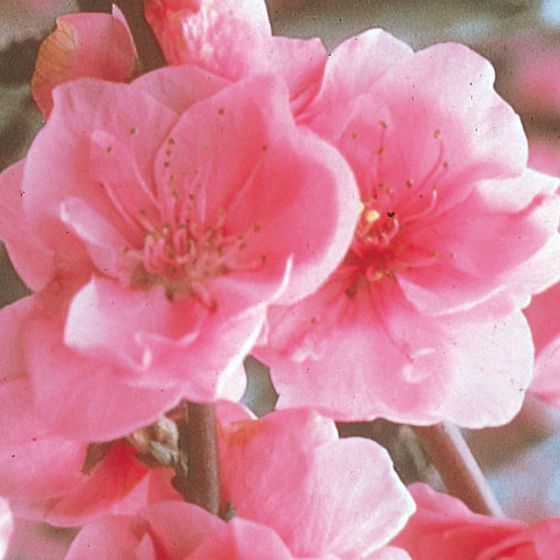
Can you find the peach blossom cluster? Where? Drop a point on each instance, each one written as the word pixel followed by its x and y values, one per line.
pixel 364 223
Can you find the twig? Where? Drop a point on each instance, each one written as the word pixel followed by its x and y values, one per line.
pixel 200 484
pixel 449 453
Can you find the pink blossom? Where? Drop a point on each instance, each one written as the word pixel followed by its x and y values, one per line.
pixel 232 38
pixel 54 478
pixel 443 528
pixel 423 315
pixel 331 499
pixel 176 531
pixel 325 499
pixel 83 45
pixel 170 212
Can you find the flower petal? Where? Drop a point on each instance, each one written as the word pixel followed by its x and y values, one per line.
pixel 324 500
pixel 82 45
pixel 30 258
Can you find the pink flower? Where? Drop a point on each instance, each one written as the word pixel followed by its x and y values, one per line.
pixel 423 315
pixel 57 479
pixel 83 45
pixel 176 531
pixel 295 490
pixel 289 471
pixel 443 528
pixel 169 216
pixel 232 38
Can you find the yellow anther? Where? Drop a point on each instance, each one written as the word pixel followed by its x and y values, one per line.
pixel 372 216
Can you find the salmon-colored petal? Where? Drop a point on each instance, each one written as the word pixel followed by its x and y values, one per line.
pixel 82 45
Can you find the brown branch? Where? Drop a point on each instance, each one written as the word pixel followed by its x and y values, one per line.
pixel 449 453
pixel 149 52
pixel 200 484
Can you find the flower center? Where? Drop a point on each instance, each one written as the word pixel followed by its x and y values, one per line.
pixel 183 254
pixel 383 241
pixel 178 243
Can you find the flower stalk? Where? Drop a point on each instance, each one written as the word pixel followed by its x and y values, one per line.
pixel 198 446
pixel 446 448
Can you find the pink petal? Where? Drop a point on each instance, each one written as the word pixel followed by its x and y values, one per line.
pixel 28 469
pixel 19 419
pixel 116 485
pixel 179 87
pixel 181 527
pixel 30 258
pixel 378 356
pixel 242 540
pixel 461 274
pixel 232 39
pixel 101 402
pixel 61 153
pixel 168 529
pixel 82 45
pixel 453 111
pixel 227 38
pixel 490 355
pixel 160 341
pixel 252 11
pixel 540 541
pixel 354 358
pixel 279 186
pixel 105 318
pixel 444 526
pixel 229 412
pixel 102 239
pixel 353 69
pixel 330 503
pixel 112 537
pixel 301 64
pixel 479 130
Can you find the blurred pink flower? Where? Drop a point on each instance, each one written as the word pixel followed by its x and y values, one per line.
pixel 443 528
pixel 83 45
pixel 423 316
pixel 160 219
pixel 544 155
pixel 331 499
pixel 532 82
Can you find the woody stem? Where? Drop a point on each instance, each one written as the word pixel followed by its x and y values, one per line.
pixel 198 442
pixel 446 448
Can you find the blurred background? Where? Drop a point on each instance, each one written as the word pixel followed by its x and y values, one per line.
pixel 521 38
